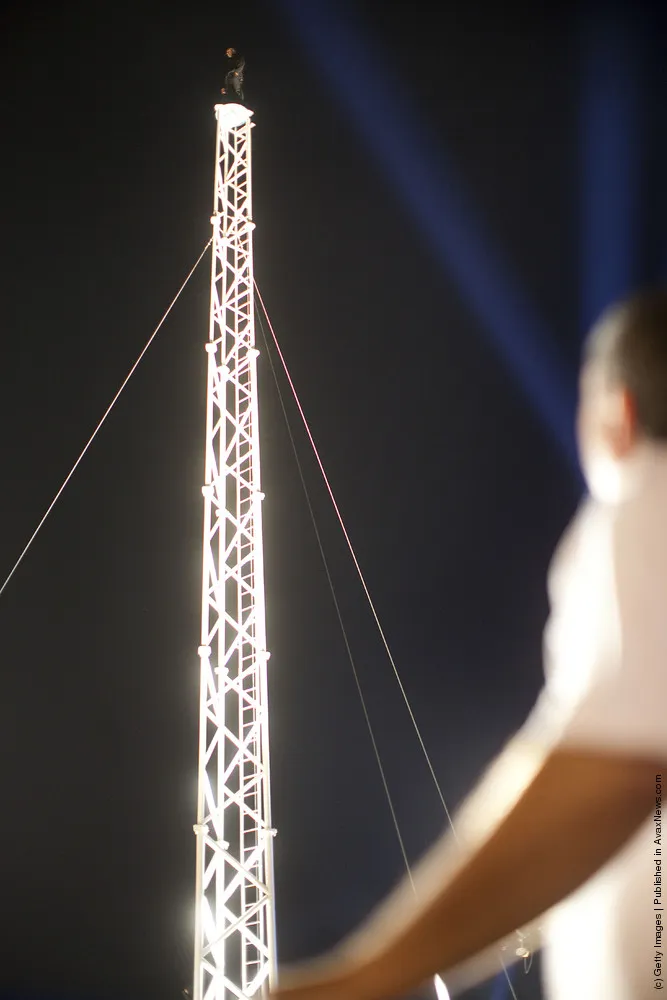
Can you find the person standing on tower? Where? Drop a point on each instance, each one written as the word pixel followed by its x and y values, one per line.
pixel 234 75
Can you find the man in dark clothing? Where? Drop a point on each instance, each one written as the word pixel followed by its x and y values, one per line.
pixel 234 76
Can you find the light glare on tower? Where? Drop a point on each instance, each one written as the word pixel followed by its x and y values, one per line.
pixel 234 916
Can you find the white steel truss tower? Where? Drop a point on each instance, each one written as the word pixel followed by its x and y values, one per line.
pixel 234 917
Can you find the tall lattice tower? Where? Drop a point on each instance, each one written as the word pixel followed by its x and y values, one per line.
pixel 234 921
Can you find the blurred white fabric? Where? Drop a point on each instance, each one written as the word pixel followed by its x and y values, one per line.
pixel 605 656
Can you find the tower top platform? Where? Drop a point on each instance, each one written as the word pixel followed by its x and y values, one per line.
pixel 232 114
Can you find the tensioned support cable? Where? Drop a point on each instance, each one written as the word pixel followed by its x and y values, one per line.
pixel 353 554
pixel 441 990
pixel 99 426
pixel 339 615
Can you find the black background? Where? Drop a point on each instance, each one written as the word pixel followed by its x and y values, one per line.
pixel 452 490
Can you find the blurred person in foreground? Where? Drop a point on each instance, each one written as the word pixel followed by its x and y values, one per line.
pixel 559 838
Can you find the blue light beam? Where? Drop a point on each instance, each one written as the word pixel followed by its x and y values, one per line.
pixel 611 136
pixel 390 126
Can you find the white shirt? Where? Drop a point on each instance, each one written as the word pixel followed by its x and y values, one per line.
pixel 605 649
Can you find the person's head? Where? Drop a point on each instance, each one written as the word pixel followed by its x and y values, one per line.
pixel 623 390
pixel 231 52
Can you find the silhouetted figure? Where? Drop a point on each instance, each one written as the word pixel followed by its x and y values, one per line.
pixel 234 76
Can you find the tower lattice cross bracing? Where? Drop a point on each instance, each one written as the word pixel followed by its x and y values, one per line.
pixel 234 918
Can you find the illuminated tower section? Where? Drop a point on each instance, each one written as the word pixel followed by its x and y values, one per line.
pixel 234 919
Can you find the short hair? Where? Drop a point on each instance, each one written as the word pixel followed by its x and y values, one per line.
pixel 631 341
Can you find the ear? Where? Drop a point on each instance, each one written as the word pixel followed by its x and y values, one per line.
pixel 626 426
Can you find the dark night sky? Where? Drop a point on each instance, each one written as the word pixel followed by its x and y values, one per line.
pixel 453 491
